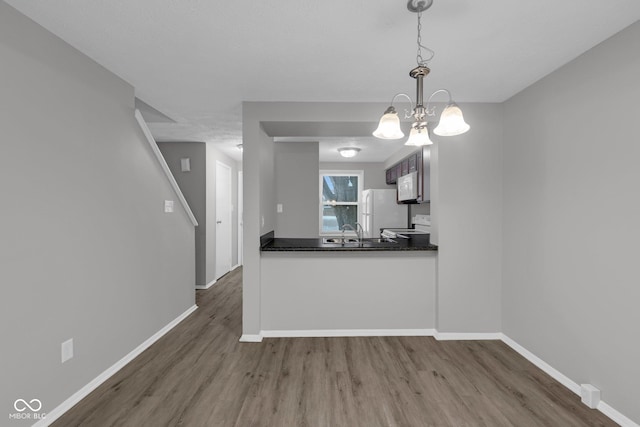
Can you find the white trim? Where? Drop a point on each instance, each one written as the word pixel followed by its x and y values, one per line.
pixel 557 375
pixel 218 210
pixel 58 411
pixel 349 333
pixel 615 415
pixel 240 196
pixel 234 267
pixel 346 172
pixel 251 338
pixel 164 166
pixel 460 336
pixel 207 286
pixel 603 407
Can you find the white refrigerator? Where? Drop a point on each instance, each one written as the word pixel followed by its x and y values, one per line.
pixel 381 210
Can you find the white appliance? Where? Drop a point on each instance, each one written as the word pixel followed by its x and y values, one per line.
pixel 380 209
pixel 421 223
pixel 408 187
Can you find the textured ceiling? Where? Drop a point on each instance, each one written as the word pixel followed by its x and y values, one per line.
pixel 197 60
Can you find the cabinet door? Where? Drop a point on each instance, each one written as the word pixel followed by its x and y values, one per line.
pixel 405 167
pixel 391 176
pixel 413 162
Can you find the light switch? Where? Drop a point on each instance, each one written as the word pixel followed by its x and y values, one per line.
pixel 279 207
pixel 168 206
pixel 185 164
pixel 67 350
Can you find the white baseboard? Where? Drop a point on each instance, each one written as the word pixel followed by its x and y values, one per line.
pixel 460 336
pixel 441 336
pixel 251 338
pixel 349 333
pixel 207 286
pixel 557 375
pixel 58 411
pixel 616 416
pixel 567 382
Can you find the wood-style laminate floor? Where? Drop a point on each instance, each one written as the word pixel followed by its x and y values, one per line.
pixel 200 375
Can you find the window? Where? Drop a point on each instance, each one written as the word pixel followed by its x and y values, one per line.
pixel 340 199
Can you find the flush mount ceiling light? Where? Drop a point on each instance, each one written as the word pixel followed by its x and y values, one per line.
pixel 451 120
pixel 348 151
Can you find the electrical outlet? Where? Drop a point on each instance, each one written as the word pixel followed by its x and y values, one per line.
pixel 279 207
pixel 67 350
pixel 590 395
pixel 168 206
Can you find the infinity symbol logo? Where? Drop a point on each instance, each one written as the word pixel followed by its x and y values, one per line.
pixel 21 405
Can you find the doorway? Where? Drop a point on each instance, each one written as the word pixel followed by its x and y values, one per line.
pixel 224 223
pixel 240 222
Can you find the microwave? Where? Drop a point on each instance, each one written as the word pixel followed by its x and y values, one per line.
pixel 408 187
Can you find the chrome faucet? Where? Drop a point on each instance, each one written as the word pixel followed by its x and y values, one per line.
pixel 358 229
pixel 350 227
pixel 360 233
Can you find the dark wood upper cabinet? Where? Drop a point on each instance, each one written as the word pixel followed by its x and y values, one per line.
pixel 418 161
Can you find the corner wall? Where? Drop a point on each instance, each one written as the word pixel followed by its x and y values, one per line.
pixel 193 186
pixel 297 189
pixel 571 211
pixel 469 189
pixel 86 250
pixel 466 203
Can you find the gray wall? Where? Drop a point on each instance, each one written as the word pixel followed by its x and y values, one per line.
pixel 86 250
pixel 297 186
pixel 470 194
pixel 259 209
pixel 193 186
pixel 199 188
pixel 466 171
pixel 571 211
pixel 297 189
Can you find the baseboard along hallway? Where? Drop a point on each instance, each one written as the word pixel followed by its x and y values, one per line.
pixel 198 374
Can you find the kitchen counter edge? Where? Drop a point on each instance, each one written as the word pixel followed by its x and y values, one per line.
pixel 268 243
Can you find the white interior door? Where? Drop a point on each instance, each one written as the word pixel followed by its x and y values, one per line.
pixel 240 213
pixel 223 219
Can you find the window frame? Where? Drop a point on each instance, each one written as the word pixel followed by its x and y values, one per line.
pixel 342 172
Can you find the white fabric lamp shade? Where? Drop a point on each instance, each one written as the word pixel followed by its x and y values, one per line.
pixel 451 122
pixel 389 127
pixel 419 137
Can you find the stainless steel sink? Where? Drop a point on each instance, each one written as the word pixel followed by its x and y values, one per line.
pixel 352 241
pixel 339 240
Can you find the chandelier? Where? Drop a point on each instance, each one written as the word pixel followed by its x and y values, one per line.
pixel 451 120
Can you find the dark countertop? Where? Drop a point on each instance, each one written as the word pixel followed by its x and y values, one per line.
pixel 415 243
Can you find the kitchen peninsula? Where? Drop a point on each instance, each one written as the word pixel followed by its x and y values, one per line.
pixel 373 287
pixel 415 243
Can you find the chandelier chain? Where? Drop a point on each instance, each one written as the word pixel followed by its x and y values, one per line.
pixel 419 58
